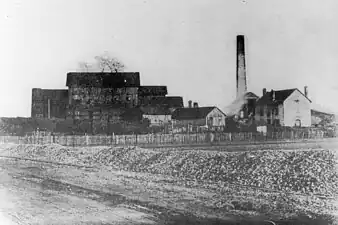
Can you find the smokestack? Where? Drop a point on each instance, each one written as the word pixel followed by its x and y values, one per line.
pixel 190 104
pixel 273 95
pixel 195 105
pixel 306 91
pixel 264 91
pixel 241 69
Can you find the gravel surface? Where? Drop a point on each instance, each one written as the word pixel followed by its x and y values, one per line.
pixel 225 185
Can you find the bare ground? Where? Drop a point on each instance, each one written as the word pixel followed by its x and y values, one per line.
pixel 54 194
pixel 33 199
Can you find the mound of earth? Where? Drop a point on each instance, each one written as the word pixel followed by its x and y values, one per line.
pixel 307 172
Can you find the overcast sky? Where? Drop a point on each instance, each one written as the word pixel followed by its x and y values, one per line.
pixel 188 45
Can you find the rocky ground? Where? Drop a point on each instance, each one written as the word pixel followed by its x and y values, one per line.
pixel 173 186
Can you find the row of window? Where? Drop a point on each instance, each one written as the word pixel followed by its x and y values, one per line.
pixel 102 98
pixel 273 122
pixel 273 111
pixel 215 120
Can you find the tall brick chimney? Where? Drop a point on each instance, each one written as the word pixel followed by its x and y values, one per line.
pixel 241 69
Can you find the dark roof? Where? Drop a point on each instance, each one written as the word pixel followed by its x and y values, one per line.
pixel 319 113
pixel 98 79
pixel 152 91
pixel 250 95
pixel 155 111
pixel 164 101
pixel 53 94
pixel 192 113
pixel 280 97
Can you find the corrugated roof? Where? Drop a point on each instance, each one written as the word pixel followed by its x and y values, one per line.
pixel 192 113
pixel 280 97
pixel 98 79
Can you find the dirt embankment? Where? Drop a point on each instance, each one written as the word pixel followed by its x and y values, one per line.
pixel 310 174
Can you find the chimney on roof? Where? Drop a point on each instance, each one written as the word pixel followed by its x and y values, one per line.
pixel 241 69
pixel 195 105
pixel 306 91
pixel 264 91
pixel 273 93
pixel 190 104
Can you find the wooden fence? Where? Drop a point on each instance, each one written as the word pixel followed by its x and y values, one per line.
pixel 163 139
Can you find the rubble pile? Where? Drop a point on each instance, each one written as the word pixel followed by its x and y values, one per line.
pixel 301 171
pixel 55 153
pixel 124 158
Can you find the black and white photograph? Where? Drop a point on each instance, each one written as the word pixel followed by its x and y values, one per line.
pixel 165 112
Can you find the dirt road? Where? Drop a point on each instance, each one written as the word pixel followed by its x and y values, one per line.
pixel 40 193
pixel 29 199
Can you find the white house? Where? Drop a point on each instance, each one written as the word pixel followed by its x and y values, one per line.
pixel 288 107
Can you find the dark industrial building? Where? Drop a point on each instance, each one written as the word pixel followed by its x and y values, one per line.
pixel 100 96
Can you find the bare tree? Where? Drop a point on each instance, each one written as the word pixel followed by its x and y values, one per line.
pixel 105 61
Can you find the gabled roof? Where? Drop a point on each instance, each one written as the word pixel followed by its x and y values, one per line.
pixel 98 79
pixel 250 95
pixel 192 113
pixel 280 97
pixel 319 113
pixel 152 91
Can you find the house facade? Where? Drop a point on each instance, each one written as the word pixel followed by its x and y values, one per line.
pixel 196 118
pixel 158 120
pixel 288 107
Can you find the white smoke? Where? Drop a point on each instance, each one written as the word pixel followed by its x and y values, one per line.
pixel 235 107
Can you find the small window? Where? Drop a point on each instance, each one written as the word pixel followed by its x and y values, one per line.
pixel 276 111
pixel 261 111
pixel 268 121
pixel 277 122
pixel 268 113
